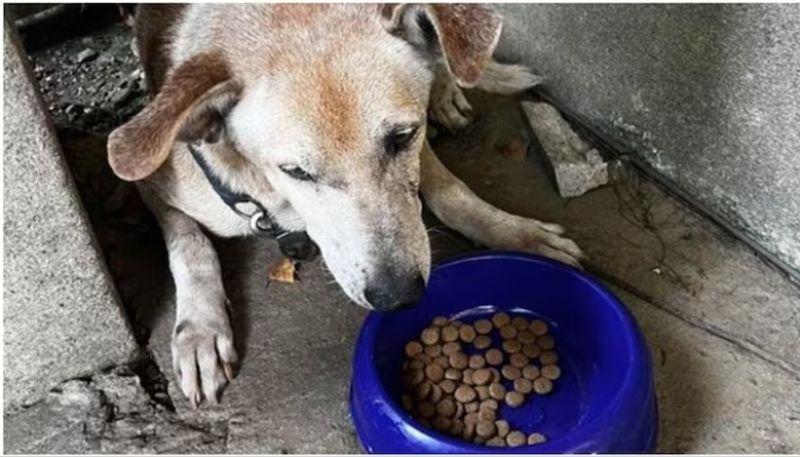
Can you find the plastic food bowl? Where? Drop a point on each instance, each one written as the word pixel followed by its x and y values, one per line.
pixel 604 401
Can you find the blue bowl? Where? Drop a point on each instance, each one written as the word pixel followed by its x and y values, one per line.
pixel 604 401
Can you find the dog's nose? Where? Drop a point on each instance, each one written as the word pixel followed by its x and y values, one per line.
pixel 391 293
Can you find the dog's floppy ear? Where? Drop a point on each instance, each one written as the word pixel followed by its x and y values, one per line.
pixel 190 106
pixel 467 33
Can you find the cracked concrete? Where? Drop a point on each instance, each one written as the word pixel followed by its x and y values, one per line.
pixel 720 324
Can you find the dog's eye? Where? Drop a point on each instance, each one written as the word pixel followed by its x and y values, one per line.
pixel 296 172
pixel 399 140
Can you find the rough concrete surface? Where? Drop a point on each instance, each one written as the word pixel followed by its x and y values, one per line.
pixel 55 278
pixel 709 95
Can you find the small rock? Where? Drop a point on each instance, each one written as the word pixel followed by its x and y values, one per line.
pixel 86 55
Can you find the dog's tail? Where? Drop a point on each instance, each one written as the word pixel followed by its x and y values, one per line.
pixel 500 78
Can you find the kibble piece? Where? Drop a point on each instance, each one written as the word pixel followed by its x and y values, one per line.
pixel 490 404
pixel 452 374
pixel 538 327
pixel 508 332
pixel 430 336
pixel 501 319
pixel 512 346
pixel 497 391
pixel 523 386
pixel 442 361
pixel 479 440
pixel 413 348
pixel 487 414
pixel 514 399
pixel 526 337
pixel 415 377
pixel 450 348
pixel 446 408
pixel 531 372
pixel 483 392
pixel 471 418
pixel 426 409
pixel 471 407
pixel 424 358
pixel 496 442
pixel 457 429
pixel 459 360
pixel 436 394
pixel 408 403
pixel 439 321
pixel 520 323
pixel 542 386
pixel 510 372
pixel 434 350
pixel 545 342
pixel 422 390
pixel 531 350
pixel 448 386
pixel 482 342
pixel 459 410
pixel 551 372
pixel 518 360
pixel 502 428
pixel 466 377
pixel 515 438
pixel 465 394
pixel 548 358
pixel 482 376
pixel 476 361
pixel 449 334
pixel 467 333
pixel 442 423
pixel 496 376
pixel 434 372
pixel 416 364
pixel 536 438
pixel 483 326
pixel 494 357
pixel 469 431
pixel 456 324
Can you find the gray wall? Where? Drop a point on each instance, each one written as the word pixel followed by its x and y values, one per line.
pixel 709 95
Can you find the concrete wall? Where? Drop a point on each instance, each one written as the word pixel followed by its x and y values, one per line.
pixel 62 316
pixel 709 95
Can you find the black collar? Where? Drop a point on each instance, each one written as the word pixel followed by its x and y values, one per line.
pixel 295 245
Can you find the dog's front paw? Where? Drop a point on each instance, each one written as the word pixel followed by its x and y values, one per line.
pixel 203 357
pixel 544 239
pixel 448 106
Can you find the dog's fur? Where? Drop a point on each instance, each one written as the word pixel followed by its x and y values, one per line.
pixel 319 112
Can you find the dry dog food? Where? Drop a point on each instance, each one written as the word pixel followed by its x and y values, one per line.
pixel 455 379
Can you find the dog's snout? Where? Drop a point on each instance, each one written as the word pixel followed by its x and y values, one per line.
pixel 393 292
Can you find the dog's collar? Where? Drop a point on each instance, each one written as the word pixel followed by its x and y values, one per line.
pixel 295 245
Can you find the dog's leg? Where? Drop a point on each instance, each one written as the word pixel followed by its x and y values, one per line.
pixel 458 207
pixel 448 106
pixel 202 340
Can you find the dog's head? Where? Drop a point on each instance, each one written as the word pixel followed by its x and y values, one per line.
pixel 331 107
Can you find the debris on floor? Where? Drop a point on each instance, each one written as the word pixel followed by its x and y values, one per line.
pixel 516 149
pixel 577 166
pixel 283 271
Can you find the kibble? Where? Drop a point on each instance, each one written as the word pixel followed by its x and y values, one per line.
pixel 523 385
pixel 430 336
pixel 501 319
pixel 551 372
pixel 536 438
pixel 483 326
pixel 508 331
pixel 512 346
pixel 515 438
pixel 449 334
pixel 455 380
pixel 494 357
pixel 465 394
pixel 514 399
pixel 467 333
pixel 542 386
pixel 531 372
pixel 519 322
pixel 482 342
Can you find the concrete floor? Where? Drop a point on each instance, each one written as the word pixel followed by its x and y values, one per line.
pixel 721 324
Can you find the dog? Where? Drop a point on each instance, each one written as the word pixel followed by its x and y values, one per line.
pixel 317 114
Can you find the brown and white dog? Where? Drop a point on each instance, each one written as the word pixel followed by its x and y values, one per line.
pixel 319 112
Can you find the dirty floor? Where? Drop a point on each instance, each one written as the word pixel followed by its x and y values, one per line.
pixel 721 324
